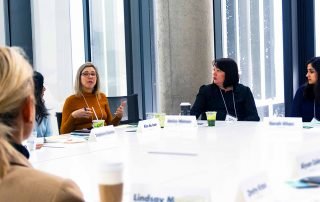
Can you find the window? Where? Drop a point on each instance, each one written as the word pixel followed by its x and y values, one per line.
pixel 77 35
pixel 108 44
pixel 2 26
pixel 317 25
pixel 57 48
pixel 252 35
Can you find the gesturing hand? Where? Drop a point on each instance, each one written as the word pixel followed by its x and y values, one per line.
pixel 82 113
pixel 119 112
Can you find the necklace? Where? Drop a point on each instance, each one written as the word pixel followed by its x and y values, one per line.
pixel 225 105
pixel 97 102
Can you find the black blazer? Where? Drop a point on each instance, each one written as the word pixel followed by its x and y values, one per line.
pixel 209 98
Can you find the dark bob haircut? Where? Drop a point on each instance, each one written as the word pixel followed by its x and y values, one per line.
pixel 230 68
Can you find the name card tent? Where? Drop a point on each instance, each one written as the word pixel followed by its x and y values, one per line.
pixel 255 188
pixel 180 121
pixel 161 193
pixel 105 130
pixel 149 125
pixel 308 164
pixel 285 122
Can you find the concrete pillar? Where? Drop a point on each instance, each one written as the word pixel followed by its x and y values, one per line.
pixel 184 50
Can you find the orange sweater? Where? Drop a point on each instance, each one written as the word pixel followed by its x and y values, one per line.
pixel 74 102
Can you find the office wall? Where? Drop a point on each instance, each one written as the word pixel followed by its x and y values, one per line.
pixel 184 50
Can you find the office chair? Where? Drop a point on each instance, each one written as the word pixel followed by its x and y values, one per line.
pixel 59 119
pixel 131 111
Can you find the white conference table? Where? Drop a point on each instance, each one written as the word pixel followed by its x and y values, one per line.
pixel 218 158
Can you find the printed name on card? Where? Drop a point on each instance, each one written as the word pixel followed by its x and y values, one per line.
pixel 255 188
pixel 287 122
pixel 148 125
pixel 180 121
pixel 147 192
pixel 308 163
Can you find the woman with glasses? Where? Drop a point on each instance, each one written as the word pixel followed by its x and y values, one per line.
pixel 42 126
pixel 88 103
pixel 306 102
pixel 231 100
pixel 18 180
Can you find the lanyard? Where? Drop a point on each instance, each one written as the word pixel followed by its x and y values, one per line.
pixel 225 105
pixel 98 104
pixel 314 110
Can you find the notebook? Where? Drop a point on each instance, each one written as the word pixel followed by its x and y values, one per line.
pixel 82 132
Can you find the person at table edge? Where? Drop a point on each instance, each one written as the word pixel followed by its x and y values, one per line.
pixel 306 102
pixel 19 181
pixel 88 103
pixel 225 95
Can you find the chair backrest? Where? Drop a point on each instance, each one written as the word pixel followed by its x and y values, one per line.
pixel 131 111
pixel 59 119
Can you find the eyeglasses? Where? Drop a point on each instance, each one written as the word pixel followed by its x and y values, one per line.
pixel 87 74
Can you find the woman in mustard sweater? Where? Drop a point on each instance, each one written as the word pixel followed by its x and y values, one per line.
pixel 78 109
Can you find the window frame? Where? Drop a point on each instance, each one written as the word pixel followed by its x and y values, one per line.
pixel 299 18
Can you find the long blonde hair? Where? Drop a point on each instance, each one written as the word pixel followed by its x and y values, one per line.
pixel 16 85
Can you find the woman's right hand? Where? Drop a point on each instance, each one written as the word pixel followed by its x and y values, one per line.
pixel 82 113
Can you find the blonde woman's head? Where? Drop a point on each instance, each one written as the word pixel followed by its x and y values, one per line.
pixel 16 85
pixel 87 72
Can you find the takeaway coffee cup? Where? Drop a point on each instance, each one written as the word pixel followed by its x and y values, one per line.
pixel 185 108
pixel 110 181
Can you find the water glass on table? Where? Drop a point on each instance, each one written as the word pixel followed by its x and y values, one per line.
pixel 161 117
pixel 211 118
pixel 97 123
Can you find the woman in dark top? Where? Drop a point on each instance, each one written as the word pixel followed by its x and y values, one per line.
pixel 231 100
pixel 306 102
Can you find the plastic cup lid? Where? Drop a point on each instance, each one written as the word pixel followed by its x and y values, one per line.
pixel 185 104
